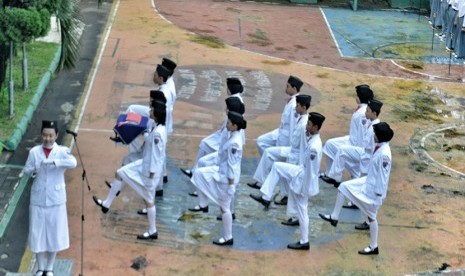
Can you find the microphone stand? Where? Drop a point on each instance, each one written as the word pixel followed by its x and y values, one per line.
pixel 84 178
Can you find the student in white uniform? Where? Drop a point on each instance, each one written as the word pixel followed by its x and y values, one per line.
pixel 281 137
pixel 292 154
pixel 144 175
pixel 48 219
pixel 218 183
pixel 355 137
pixel 160 77
pixel 356 158
pixel 368 192
pixel 171 66
pixel 210 144
pixel 136 147
pixel 303 182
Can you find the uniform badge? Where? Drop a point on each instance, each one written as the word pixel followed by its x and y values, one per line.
pixel 364 121
pixel 312 155
pixel 233 150
pixel 386 161
pixel 156 141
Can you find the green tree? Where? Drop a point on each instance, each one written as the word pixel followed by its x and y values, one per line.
pixel 23 20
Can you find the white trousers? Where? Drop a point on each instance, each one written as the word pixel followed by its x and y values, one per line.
pixel 301 205
pixel 270 155
pixel 267 140
pixel 349 158
pixel 330 149
pixel 279 171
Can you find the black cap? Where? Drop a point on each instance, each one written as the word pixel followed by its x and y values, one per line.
pixel 383 132
pixel 234 85
pixel 316 118
pixel 158 96
pixel 375 105
pixel 162 71
pixel 50 124
pixel 168 63
pixel 304 99
pixel 234 104
pixel 364 93
pixel 295 82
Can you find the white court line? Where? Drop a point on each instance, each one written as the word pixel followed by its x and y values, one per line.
pixel 331 32
pixel 173 134
pixel 94 73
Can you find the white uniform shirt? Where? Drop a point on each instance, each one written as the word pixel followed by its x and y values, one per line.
pixel 368 143
pixel 298 141
pixel 288 121
pixel 153 155
pixel 377 179
pixel 356 132
pixel 306 183
pixel 48 188
pixel 229 158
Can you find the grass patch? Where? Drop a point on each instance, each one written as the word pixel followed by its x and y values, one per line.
pixel 421 107
pixel 208 40
pixel 415 65
pixel 281 62
pixel 259 37
pixel 323 75
pixel 39 55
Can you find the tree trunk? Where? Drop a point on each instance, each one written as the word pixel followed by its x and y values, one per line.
pixel 12 85
pixel 25 75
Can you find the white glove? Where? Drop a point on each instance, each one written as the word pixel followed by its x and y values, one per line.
pixel 231 190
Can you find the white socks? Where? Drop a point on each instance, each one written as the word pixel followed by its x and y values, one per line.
pixel 116 186
pixel 46 260
pixel 51 260
pixel 151 216
pixel 227 225
pixel 338 206
pixel 374 234
pixel 41 260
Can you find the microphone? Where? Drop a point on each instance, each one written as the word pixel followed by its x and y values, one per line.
pixel 71 132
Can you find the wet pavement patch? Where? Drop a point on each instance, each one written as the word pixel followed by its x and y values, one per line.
pixel 254 228
pixel 386 34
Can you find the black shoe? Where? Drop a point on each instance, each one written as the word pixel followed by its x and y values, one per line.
pixel 282 201
pixel 147 236
pixel 159 193
pixel 109 186
pixel 299 246
pixel 194 194
pixel 99 202
pixel 369 251
pixel 350 206
pixel 117 139
pixel 39 273
pixel 165 179
pixel 254 185
pixel 330 180
pixel 220 217
pixel 222 242
pixel 328 218
pixel 291 222
pixel 142 212
pixel 258 198
pixel 197 208
pixel 48 273
pixel 187 172
pixel 362 226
